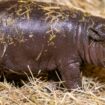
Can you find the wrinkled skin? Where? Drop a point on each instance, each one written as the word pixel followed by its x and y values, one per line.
pixel 29 39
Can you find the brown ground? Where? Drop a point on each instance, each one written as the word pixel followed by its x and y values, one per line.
pixel 38 92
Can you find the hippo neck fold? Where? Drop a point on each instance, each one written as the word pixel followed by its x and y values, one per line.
pixel 92 52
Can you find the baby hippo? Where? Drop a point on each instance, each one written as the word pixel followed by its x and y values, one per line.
pixel 43 36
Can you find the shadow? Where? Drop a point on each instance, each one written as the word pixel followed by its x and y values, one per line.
pixel 17 79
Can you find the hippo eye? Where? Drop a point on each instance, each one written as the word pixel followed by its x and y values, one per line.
pixel 101 30
pixel 98 33
pixel 94 35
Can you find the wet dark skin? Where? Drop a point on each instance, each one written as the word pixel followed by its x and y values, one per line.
pixel 31 39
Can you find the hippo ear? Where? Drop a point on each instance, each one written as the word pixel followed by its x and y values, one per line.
pixel 97 34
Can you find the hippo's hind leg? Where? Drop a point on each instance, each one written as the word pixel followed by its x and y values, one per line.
pixel 70 73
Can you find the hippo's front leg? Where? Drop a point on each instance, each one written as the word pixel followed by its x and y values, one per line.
pixel 70 72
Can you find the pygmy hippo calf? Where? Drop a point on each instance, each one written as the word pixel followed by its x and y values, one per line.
pixel 45 36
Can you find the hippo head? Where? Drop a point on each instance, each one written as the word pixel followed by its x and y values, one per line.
pixel 96 31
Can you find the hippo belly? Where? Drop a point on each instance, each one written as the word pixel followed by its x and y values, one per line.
pixel 32 53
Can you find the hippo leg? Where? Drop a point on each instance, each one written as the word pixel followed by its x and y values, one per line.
pixel 71 75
